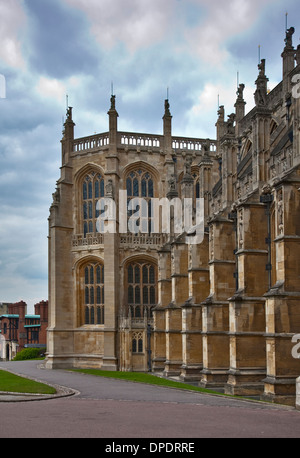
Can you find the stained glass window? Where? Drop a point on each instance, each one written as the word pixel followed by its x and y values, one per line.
pixel 140 184
pixel 94 294
pixel 92 191
pixel 141 284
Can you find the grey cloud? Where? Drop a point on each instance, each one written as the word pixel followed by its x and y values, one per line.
pixel 58 42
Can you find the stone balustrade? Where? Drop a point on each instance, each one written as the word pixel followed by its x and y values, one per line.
pixel 139 140
pixel 90 143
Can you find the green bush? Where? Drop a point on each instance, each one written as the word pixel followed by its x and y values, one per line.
pixel 29 353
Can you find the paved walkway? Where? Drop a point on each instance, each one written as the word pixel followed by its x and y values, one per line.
pixel 90 406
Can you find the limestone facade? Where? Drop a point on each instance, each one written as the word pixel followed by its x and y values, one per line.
pixel 221 313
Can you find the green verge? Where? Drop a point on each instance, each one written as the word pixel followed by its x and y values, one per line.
pixel 140 377
pixel 15 384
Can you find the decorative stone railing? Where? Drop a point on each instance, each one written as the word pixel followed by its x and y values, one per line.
pixel 132 240
pixel 144 240
pixel 139 140
pixel 193 144
pixel 128 322
pixel 90 143
pixel 79 240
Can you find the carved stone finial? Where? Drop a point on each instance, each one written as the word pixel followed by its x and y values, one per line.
pixel 260 95
pixel 240 92
pixel 56 196
pixel 230 123
pixel 206 146
pixel 262 67
pixel 113 102
pixel 167 108
pixel 221 113
pixel 289 37
pixel 69 114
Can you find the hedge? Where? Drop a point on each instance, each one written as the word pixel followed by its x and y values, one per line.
pixel 29 353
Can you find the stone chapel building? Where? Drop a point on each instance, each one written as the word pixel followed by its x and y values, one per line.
pixel 221 313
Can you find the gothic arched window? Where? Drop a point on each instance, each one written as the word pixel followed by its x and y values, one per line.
pixel 140 184
pixel 137 342
pixel 92 191
pixel 141 284
pixel 93 303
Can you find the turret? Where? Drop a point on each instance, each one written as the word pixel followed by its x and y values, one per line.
pixel 220 124
pixel 288 59
pixel 68 137
pixel 167 119
pixel 260 95
pixel 239 106
pixel 113 123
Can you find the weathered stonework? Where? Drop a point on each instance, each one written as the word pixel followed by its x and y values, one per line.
pixel 221 313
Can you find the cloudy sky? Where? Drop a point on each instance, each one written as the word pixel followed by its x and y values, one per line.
pixel 51 48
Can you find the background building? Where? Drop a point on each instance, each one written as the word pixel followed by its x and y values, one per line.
pixel 220 313
pixel 20 330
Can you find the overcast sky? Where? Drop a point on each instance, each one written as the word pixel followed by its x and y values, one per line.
pixel 50 48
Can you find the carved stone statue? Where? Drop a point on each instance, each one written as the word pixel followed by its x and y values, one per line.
pixel 260 96
pixel 289 37
pixel 206 146
pixel 279 212
pixel 56 196
pixel 240 92
pixel 230 123
pixel 221 113
pixel 69 114
pixel 262 67
pixel 172 183
pixel 167 108
pixel 241 229
pixel 188 166
pixel 109 189
pixel 113 102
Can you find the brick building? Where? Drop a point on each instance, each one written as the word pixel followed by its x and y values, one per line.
pixel 20 330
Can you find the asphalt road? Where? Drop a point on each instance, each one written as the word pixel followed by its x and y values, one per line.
pixel 114 409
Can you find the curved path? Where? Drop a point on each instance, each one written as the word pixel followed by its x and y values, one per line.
pixel 108 408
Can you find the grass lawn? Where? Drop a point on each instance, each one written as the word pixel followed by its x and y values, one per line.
pixel 16 384
pixel 144 378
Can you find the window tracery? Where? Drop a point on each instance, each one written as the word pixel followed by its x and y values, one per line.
pixel 92 191
pixel 141 289
pixel 140 184
pixel 93 303
pixel 137 342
